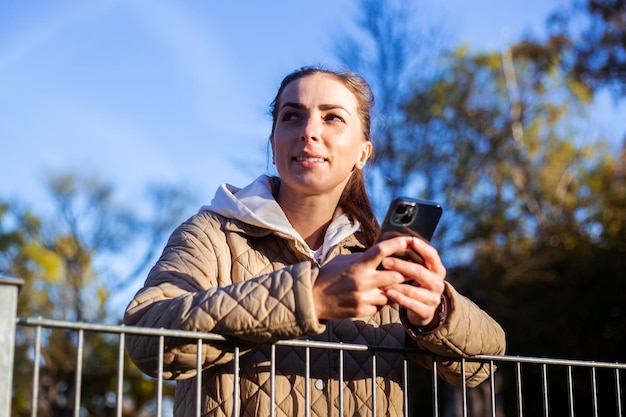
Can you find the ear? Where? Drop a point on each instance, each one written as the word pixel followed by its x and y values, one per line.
pixel 366 152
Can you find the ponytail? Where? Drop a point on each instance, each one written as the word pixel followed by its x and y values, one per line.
pixel 355 201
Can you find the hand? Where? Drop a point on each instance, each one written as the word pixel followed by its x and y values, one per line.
pixel 351 285
pixel 420 300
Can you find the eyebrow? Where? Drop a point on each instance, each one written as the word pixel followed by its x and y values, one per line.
pixel 323 106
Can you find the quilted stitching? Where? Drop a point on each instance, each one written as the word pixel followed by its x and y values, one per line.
pixel 189 289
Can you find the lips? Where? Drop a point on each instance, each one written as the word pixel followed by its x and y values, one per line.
pixel 315 159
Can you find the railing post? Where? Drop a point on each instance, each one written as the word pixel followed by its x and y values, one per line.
pixel 9 289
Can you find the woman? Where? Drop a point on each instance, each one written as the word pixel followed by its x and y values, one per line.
pixel 295 257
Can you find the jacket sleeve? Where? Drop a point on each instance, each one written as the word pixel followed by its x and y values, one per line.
pixel 468 331
pixel 184 291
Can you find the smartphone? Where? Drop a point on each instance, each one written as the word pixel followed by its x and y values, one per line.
pixel 410 217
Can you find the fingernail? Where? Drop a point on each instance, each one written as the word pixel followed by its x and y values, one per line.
pixel 387 262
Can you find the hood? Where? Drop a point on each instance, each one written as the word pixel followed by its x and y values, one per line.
pixel 255 205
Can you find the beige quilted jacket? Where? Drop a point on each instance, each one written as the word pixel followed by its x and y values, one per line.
pixel 224 276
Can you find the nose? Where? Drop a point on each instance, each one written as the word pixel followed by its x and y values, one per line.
pixel 311 129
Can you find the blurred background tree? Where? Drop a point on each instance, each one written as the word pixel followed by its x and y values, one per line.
pixel 385 47
pixel 534 218
pixel 591 37
pixel 65 264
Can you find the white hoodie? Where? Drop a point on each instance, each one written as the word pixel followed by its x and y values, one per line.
pixel 255 205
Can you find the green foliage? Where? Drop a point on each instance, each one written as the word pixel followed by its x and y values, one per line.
pixel 591 36
pixel 534 221
pixel 58 261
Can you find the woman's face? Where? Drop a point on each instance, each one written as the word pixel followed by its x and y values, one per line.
pixel 318 139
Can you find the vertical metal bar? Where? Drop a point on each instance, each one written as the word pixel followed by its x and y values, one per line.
pixel 36 360
pixel 544 384
pixel 159 408
pixel 435 389
pixel 618 393
pixel 273 381
pixel 236 388
pixel 374 404
pixel 119 397
pixel 9 289
pixel 492 388
pixel 518 383
pixel 199 377
pixel 405 387
pixel 79 371
pixel 464 387
pixel 594 391
pixel 307 381
pixel 570 390
pixel 341 373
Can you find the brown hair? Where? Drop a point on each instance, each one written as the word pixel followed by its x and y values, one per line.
pixel 354 199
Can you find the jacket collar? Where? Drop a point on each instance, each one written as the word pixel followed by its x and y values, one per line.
pixel 256 206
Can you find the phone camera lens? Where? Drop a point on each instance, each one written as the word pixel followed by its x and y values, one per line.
pixel 401 209
pixel 403 214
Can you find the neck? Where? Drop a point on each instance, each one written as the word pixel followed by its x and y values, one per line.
pixel 310 216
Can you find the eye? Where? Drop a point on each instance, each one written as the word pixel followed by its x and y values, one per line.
pixel 333 117
pixel 289 116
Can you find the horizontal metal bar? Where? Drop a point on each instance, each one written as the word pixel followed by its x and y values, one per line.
pixel 117 329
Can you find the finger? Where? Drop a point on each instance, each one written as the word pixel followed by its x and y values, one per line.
pixel 375 255
pixel 369 302
pixel 420 301
pixel 415 274
pixel 430 256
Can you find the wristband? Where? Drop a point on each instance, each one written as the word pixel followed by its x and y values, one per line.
pixel 420 331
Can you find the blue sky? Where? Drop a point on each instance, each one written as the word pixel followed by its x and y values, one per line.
pixel 164 91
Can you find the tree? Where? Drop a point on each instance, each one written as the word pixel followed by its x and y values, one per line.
pixel 497 135
pixel 386 48
pixel 591 36
pixel 531 200
pixel 64 266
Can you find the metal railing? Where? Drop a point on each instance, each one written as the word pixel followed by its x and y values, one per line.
pixel 522 386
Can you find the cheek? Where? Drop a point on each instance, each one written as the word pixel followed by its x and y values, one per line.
pixel 280 152
pixel 277 148
pixel 276 142
pixel 355 150
pixel 280 137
